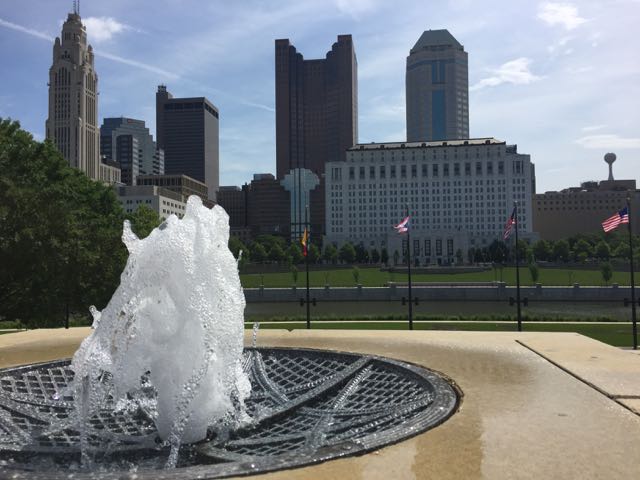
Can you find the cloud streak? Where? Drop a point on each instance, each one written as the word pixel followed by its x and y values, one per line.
pixel 515 72
pixel 98 53
pixel 564 14
pixel 608 141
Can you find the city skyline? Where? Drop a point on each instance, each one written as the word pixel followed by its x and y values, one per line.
pixel 555 78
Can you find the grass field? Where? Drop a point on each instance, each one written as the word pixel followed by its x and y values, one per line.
pixel 373 277
pixel 616 334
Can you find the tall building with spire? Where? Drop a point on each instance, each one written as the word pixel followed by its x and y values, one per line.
pixel 72 124
pixel 437 89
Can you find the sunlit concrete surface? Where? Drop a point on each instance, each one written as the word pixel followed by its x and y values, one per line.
pixel 536 405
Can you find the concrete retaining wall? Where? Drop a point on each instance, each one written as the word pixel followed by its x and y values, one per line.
pixel 498 292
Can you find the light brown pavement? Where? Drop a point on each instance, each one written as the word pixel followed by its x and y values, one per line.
pixel 536 405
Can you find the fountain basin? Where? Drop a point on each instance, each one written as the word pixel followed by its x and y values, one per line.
pixel 307 406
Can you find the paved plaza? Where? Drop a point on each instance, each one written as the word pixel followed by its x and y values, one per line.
pixel 536 405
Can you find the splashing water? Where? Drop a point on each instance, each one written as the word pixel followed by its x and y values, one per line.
pixel 175 323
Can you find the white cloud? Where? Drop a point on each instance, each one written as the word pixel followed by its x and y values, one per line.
pixel 515 71
pixel 608 141
pixel 593 128
pixel 564 14
pixel 100 29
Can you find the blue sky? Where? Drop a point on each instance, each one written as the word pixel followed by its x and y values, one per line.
pixel 560 79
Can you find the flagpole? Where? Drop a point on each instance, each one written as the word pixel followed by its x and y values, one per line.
pixel 516 221
pixel 409 271
pixel 633 287
pixel 306 261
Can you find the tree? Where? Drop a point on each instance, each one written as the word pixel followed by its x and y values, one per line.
pixel 294 274
pixel 330 254
pixel 606 271
pixel 396 257
pixel 497 251
pixel 561 251
pixel 276 254
pixel 582 250
pixel 258 253
pixel 314 253
pixel 471 255
pixel 362 256
pixel 384 256
pixel 356 275
pixel 602 250
pixel 375 256
pixel 295 253
pixel 542 250
pixel 236 246
pixel 534 271
pixel 347 253
pixel 60 234
pixel 459 257
pixel 523 248
pixel 144 220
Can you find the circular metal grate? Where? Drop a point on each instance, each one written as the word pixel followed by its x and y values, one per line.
pixel 307 406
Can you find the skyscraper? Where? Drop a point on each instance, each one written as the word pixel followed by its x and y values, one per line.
pixel 316 106
pixel 187 131
pixel 72 124
pixel 437 89
pixel 128 142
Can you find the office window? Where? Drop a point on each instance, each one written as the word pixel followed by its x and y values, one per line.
pixel 489 168
pixel 438 247
pixel 424 170
pixel 372 172
pixel 435 170
pixel 427 247
pixel 414 171
pixel 361 176
pixel 351 173
pixel 478 168
pixel 445 170
pixel 403 171
pixel 450 247
pixel 382 172
pixel 393 171
pixel 500 167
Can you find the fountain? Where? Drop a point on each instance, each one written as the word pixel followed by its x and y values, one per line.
pixel 163 380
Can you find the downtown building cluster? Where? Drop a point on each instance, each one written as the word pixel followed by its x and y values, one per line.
pixel 122 152
pixel 458 190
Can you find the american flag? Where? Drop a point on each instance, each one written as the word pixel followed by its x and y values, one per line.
pixel 612 223
pixel 508 227
pixel 403 226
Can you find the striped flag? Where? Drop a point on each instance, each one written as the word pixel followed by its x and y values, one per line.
pixel 403 226
pixel 508 227
pixel 612 222
pixel 305 242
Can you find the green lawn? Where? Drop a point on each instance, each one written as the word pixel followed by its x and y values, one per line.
pixel 373 277
pixel 618 334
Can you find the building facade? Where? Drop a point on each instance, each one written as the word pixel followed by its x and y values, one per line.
pixel 459 194
pixel 72 123
pixel 559 215
pixel 162 201
pixel 182 184
pixel 187 130
pixel 316 106
pixel 128 142
pixel 437 89
pixel 234 201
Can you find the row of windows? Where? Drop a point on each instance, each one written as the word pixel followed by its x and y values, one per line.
pixel 380 172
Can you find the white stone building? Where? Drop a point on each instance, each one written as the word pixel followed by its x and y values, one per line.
pixel 459 193
pixel 164 202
